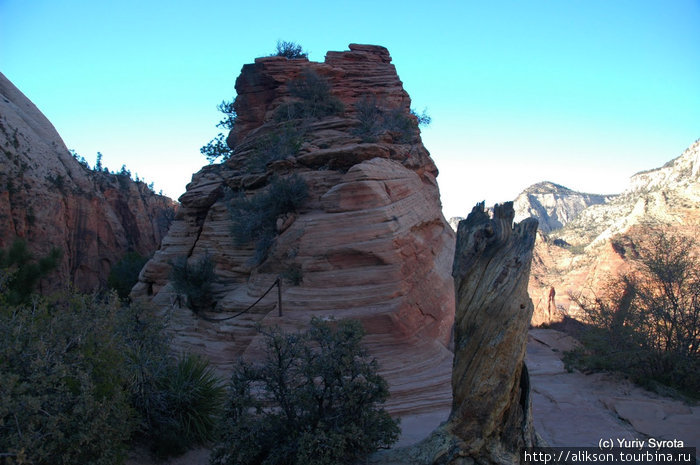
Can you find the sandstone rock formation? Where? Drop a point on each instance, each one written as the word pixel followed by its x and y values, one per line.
pixel 368 242
pixel 592 247
pixel 553 205
pixel 49 199
pixel 491 419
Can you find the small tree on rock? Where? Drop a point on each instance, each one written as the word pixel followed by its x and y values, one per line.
pixel 289 50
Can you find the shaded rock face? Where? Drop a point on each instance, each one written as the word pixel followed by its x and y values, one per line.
pixel 368 242
pixel 50 200
pixel 594 246
pixel 553 205
pixel 491 419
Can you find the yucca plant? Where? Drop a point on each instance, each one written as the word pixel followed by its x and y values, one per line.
pixel 193 396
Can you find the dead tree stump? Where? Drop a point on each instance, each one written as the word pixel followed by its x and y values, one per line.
pixel 491 418
pixel 491 412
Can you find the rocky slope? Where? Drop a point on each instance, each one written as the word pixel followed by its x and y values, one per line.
pixel 591 247
pixel 368 241
pixel 553 205
pixel 49 199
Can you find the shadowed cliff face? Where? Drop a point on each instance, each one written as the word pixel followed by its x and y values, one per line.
pixel 49 199
pixel 367 242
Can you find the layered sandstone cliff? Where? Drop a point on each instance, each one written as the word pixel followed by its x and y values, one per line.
pixel 50 200
pixel 591 248
pixel 367 242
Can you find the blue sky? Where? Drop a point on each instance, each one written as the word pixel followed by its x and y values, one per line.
pixel 582 93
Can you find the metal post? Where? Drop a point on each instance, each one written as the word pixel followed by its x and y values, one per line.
pixel 279 297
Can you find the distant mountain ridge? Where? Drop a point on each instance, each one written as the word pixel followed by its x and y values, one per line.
pixel 554 205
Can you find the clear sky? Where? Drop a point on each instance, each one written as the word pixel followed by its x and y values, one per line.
pixel 583 93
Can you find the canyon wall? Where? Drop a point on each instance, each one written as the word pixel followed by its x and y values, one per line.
pixel 49 199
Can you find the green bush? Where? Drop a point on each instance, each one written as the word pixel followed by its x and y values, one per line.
pixel 312 99
pixel 314 400
pixel 289 50
pixel 177 402
pixel 22 273
pixel 218 147
pixel 125 273
pixel 189 399
pixel 61 395
pixel 370 117
pixel 284 141
pixel 80 376
pixel 194 280
pixel 375 118
pixel 254 218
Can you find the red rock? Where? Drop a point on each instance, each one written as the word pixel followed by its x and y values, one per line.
pixel 51 200
pixel 370 239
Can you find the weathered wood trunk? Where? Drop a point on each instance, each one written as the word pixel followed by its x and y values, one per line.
pixel 491 419
pixel 491 395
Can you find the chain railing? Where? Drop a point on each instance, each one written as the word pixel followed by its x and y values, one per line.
pixel 278 283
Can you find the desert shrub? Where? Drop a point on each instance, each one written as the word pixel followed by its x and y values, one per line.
pixel 125 273
pixel 375 118
pixel 218 147
pixel 61 396
pixel 289 50
pixel 316 399
pixel 422 118
pixel 284 141
pixel 370 117
pixel 254 218
pixel 176 402
pixel 312 98
pixel 647 323
pixel 23 272
pixel 293 274
pixel 185 405
pixel 194 280
pixel 81 376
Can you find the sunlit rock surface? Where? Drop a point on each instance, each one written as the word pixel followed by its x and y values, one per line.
pixel 369 242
